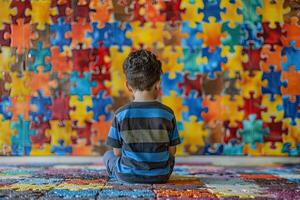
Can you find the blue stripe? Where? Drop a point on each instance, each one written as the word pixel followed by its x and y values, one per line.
pixel 113 133
pixel 175 133
pixel 154 172
pixel 144 113
pixel 147 157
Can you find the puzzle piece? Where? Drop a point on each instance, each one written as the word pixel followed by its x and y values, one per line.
pixel 147 36
pixel 233 11
pixel 174 34
pixel 81 9
pixel 292 136
pixel 273 150
pixel 41 82
pixel 196 107
pixel 61 149
pixel 63 10
pixel 6 59
pixel 230 110
pixel 20 36
pixel 5 17
pixel 20 86
pixel 98 34
pixel 61 34
pixel 253 131
pixel 41 13
pixel 19 107
pixel 271 35
pixel 123 10
pixel 40 107
pixel 60 61
pixel 233 148
pixel 191 39
pixel 101 12
pixel 60 108
pixel 232 85
pixel 291 33
pixel 253 105
pixel 20 140
pixel 193 134
pixel 79 29
pixel 5 134
pixel 190 11
pixel 272 11
pixel 272 113
pixel 214 61
pixel 192 61
pixel 212 87
pixel 249 10
pixel 5 103
pixel 271 56
pixel 291 108
pixel 61 131
pixel 171 83
pixel 20 7
pixel 251 34
pixel 39 140
pixel 82 148
pixel 276 134
pixel 175 103
pixel 191 84
pixel 272 83
pixel 290 83
pixel 101 104
pixel 39 56
pixel 173 11
pixel 81 86
pixel 169 59
pixel 100 130
pixel 117 35
pixel 251 84
pixel 80 112
pixel 213 114
pixel 20 62
pixel 234 62
pixel 4 40
pixel 82 59
pixel 211 9
pixel 291 151
pixel 62 85
pixel 232 35
pixel 211 35
pixel 291 56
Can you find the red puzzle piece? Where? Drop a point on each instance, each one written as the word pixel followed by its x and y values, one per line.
pixel 271 36
pixel 21 7
pixel 253 62
pixel 191 84
pixel 60 108
pixel 252 106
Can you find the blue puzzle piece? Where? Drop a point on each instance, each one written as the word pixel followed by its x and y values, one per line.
pixel 171 84
pixel 293 58
pixel 292 152
pixel 5 102
pixel 211 9
pixel 253 131
pixel 195 107
pixel 73 194
pixel 60 30
pixel 233 148
pixel 61 150
pixel 274 83
pixel 134 193
pixel 189 61
pixel 116 35
pixel 191 41
pixel 215 149
pixel 100 104
pixel 81 86
pixel 251 34
pixel 290 108
pixel 20 143
pixel 99 34
pixel 42 110
pixel 39 55
pixel 214 61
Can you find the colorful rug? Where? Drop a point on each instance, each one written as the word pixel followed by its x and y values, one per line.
pixel 189 181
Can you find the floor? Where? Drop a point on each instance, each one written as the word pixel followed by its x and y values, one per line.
pixel 193 178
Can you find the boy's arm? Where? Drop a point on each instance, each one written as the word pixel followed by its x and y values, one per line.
pixel 117 152
pixel 172 150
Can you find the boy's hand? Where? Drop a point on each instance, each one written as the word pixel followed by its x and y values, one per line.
pixel 117 152
pixel 172 150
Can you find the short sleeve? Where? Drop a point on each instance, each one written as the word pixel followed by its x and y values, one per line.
pixel 114 138
pixel 174 135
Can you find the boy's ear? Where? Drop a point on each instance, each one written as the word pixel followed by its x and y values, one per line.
pixel 157 85
pixel 129 87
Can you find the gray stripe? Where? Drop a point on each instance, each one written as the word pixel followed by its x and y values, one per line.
pixel 145 136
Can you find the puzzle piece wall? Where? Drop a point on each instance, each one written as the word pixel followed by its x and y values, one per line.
pixel 231 73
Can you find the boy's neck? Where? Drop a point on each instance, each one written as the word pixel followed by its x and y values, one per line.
pixel 144 96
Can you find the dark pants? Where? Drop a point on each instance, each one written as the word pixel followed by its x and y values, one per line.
pixel 110 159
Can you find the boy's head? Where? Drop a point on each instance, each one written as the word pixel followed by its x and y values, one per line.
pixel 142 70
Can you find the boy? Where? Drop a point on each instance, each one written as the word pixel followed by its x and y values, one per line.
pixel 144 132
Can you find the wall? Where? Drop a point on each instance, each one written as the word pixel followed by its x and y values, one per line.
pixel 231 73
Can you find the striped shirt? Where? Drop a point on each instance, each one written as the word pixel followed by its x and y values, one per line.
pixel 144 131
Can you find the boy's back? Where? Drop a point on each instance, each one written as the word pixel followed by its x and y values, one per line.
pixel 144 131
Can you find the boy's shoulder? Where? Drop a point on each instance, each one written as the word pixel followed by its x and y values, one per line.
pixel 152 104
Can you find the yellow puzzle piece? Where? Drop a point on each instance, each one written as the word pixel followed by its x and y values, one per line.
pixel 61 131
pixel 79 112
